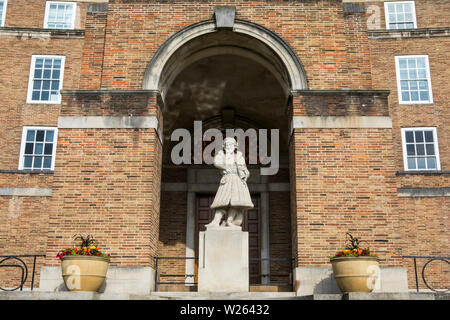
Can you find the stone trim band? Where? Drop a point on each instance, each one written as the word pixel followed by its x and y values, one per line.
pixel 26 192
pixel 347 122
pixel 106 122
pixel 423 192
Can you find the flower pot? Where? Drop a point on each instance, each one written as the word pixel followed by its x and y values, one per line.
pixel 355 274
pixel 84 273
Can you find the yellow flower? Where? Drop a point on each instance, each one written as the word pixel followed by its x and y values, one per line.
pixel 93 247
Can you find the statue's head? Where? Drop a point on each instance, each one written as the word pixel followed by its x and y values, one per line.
pixel 229 145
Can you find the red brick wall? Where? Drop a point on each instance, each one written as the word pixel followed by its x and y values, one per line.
pixel 14 111
pixel 332 167
pixel 344 182
pixel 172 237
pixel 429 14
pixel 433 115
pixel 280 236
pixel 93 50
pixel 31 13
pixel 424 232
pixel 113 199
pixel 23 225
pixel 423 221
pixel 317 31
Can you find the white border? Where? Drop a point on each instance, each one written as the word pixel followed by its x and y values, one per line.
pixel 399 87
pixel 47 10
pixel 31 77
pixel 436 147
pixel 22 146
pixel 5 4
pixel 386 13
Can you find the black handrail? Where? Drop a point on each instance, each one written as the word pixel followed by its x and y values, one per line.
pixel 430 259
pixel 157 282
pixel 22 266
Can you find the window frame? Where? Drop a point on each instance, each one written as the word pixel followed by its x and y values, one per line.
pixel 47 12
pixel 436 147
pixel 386 13
pixel 31 78
pixel 399 85
pixel 24 140
pixel 2 20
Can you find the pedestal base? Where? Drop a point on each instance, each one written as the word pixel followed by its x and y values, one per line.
pixel 223 260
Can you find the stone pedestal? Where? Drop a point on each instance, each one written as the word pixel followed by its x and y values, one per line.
pixel 223 260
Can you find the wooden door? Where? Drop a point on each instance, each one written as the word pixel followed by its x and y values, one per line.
pixel 251 223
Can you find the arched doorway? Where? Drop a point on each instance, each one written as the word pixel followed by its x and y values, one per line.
pixel 226 79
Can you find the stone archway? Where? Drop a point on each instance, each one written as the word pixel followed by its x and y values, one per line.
pixel 257 72
pixel 287 59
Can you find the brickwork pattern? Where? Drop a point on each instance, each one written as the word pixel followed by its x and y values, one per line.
pixel 344 183
pixel 341 180
pixel 31 13
pixel 14 111
pixel 317 31
pixel 423 221
pixel 107 198
pixel 435 14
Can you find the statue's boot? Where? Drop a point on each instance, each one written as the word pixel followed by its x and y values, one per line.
pixel 232 212
pixel 217 218
pixel 238 218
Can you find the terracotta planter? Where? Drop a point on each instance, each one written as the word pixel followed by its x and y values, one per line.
pixel 355 274
pixel 84 273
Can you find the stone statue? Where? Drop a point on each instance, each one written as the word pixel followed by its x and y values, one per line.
pixel 232 198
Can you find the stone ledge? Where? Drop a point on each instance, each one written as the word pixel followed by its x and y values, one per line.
pixel 423 192
pixel 108 122
pixel 408 33
pixel 45 295
pixel 109 92
pixel 26 192
pixel 346 92
pixel 341 122
pixel 381 296
pixel 124 281
pixel 41 33
pixel 425 173
pixel 320 280
pixel 28 171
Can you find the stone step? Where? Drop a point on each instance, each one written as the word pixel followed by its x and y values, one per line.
pixel 224 296
pixel 43 295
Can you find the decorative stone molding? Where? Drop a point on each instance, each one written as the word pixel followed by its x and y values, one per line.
pixel 105 122
pixel 297 76
pixel 224 16
pixel 423 192
pixel 38 33
pixel 423 172
pixel 331 122
pixel 410 33
pixel 26 192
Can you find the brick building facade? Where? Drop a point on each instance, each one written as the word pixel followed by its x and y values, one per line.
pixel 347 84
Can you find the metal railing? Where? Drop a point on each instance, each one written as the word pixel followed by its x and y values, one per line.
pixel 289 275
pixel 430 259
pixel 22 265
pixel 158 274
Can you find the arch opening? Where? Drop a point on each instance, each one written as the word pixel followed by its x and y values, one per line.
pixel 252 37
